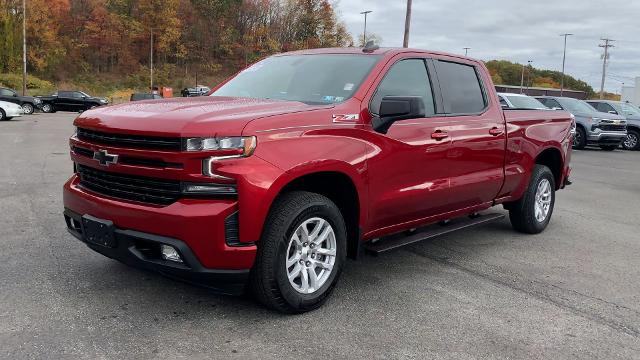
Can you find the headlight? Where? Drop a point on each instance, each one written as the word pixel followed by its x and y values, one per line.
pixel 596 120
pixel 104 101
pixel 243 145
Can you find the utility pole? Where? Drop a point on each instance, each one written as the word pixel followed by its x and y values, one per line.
pixel 564 55
pixel 364 36
pixel 24 47
pixel 466 50
pixel 407 25
pixel 606 47
pixel 522 79
pixel 151 63
pixel 529 68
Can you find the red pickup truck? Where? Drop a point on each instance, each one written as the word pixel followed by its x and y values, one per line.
pixel 304 159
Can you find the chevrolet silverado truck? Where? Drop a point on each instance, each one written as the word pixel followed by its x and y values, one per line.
pixel 592 126
pixel 305 159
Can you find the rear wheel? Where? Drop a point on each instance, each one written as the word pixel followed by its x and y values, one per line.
pixel 27 108
pixel 3 115
pixel 531 214
pixel 48 108
pixel 632 141
pixel 301 253
pixel 580 138
pixel 609 147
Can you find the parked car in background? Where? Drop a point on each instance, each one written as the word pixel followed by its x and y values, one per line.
pixel 592 126
pixel 520 101
pixel 9 110
pixel 199 90
pixel 630 112
pixel 307 158
pixel 144 96
pixel 76 101
pixel 28 103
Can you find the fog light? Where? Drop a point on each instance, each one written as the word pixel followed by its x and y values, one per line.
pixel 170 253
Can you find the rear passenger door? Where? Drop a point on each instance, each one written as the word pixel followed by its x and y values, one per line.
pixel 409 178
pixel 477 131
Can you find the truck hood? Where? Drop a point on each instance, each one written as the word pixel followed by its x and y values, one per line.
pixel 200 116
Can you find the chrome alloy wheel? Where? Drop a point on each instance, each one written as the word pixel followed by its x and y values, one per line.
pixel 630 141
pixel 543 200
pixel 311 255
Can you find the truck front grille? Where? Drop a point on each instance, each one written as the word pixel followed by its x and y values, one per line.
pixel 135 188
pixel 607 127
pixel 130 141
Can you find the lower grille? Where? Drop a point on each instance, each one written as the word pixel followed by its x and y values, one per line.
pixel 613 127
pixel 135 188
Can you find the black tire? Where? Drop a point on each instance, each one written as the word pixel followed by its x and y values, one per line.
pixel 632 141
pixel 3 115
pixel 48 108
pixel 522 212
pixel 269 282
pixel 28 108
pixel 580 138
pixel 609 147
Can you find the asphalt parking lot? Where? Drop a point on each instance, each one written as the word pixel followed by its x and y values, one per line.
pixel 570 292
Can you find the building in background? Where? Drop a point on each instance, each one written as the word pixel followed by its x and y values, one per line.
pixel 632 93
pixel 540 91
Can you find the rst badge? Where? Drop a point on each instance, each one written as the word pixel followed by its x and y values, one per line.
pixel 104 158
pixel 345 118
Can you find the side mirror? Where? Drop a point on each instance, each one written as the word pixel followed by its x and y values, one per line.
pixel 15 94
pixel 504 106
pixel 613 112
pixel 396 108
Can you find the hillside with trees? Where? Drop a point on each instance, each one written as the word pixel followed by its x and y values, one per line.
pixel 93 42
pixel 508 73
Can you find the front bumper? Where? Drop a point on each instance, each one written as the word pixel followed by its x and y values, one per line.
pixel 195 226
pixel 607 137
pixel 14 111
pixel 141 250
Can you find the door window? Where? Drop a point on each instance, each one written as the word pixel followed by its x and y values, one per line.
pixel 405 78
pixel 461 88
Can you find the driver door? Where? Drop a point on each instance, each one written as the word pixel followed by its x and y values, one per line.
pixel 409 176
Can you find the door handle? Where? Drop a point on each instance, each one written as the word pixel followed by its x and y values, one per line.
pixel 439 135
pixel 495 131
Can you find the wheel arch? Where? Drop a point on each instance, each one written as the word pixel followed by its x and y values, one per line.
pixel 339 187
pixel 552 158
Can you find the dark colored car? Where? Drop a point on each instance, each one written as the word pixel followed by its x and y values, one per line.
pixel 199 90
pixel 304 159
pixel 144 96
pixel 29 103
pixel 76 101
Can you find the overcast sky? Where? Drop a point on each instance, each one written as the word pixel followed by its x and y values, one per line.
pixel 516 30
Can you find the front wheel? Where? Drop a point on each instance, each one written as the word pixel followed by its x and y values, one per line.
pixel 632 141
pixel 301 253
pixel 580 139
pixel 531 214
pixel 48 108
pixel 3 115
pixel 27 108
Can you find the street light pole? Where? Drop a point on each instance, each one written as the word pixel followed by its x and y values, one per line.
pixel 151 64
pixel 522 79
pixel 24 47
pixel 529 67
pixel 564 55
pixel 407 24
pixel 466 50
pixel 364 36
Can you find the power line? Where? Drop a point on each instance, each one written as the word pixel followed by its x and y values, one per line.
pixel 606 47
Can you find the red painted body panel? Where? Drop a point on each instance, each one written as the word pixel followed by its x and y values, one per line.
pixel 404 178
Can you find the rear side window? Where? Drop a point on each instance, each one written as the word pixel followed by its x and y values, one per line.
pixel 461 88
pixel 67 94
pixel 405 78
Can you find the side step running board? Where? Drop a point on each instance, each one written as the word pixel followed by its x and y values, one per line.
pixel 429 232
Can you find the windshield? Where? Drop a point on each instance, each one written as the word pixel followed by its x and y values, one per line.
pixel 629 109
pixel 576 106
pixel 525 102
pixel 312 79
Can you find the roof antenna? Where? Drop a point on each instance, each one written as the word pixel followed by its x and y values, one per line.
pixel 370 47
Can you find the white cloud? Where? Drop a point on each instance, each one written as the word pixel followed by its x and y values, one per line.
pixel 514 30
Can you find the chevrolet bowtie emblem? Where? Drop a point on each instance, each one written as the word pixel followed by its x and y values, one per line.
pixel 104 158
